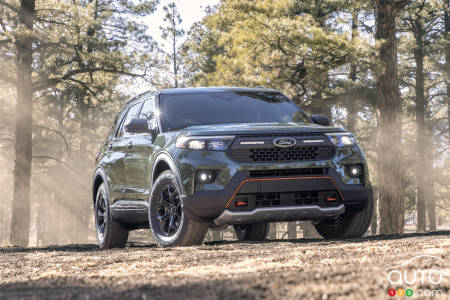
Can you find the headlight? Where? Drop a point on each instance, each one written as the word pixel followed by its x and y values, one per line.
pixel 342 139
pixel 208 143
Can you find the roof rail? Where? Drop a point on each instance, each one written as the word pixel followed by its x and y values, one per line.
pixel 142 94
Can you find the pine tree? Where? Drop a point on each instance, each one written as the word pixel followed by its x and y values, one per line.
pixel 419 19
pixel 446 6
pixel 24 108
pixel 286 45
pixel 391 205
pixel 173 33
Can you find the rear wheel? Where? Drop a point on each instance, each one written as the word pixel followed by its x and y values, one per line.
pixel 169 224
pixel 252 232
pixel 349 225
pixel 110 234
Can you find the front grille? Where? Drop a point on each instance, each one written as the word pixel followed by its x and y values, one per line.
pixel 273 154
pixel 306 198
pixel 272 199
pixel 277 199
pixel 288 172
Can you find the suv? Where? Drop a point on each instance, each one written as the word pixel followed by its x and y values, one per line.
pixel 185 160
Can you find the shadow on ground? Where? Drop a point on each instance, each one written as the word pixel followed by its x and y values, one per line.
pixel 65 288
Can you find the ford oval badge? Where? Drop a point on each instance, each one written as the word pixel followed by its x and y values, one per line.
pixel 284 142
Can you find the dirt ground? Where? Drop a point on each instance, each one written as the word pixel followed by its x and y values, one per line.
pixel 280 269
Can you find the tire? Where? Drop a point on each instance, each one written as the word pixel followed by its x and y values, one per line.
pixel 252 232
pixel 170 225
pixel 110 233
pixel 349 225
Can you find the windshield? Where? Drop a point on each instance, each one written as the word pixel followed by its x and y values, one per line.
pixel 183 110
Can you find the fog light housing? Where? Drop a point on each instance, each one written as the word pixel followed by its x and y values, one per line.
pixel 355 171
pixel 205 176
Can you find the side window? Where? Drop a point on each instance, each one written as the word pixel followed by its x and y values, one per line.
pixel 114 128
pixel 132 113
pixel 147 112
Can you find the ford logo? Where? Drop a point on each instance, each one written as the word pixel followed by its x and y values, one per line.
pixel 284 142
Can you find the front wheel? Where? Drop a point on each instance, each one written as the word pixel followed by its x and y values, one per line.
pixel 252 232
pixel 169 224
pixel 349 225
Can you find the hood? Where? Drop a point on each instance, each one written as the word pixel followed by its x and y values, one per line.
pixel 259 128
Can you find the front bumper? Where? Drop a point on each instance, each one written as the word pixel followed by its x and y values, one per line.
pixel 286 193
pixel 280 214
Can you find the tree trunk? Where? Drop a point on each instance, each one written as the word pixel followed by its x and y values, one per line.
pixel 447 70
pixel 421 166
pixel 322 82
pixel 424 167
pixel 174 45
pixel 216 235
pixel 351 107
pixel 391 206
pixel 447 62
pixel 273 231
pixel 431 204
pixel 3 230
pixel 292 230
pixel 83 209
pixel 20 224
pixel 374 221
pixel 376 203
pixel 175 62
pixel 309 231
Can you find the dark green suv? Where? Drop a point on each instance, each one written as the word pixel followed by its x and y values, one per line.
pixel 185 160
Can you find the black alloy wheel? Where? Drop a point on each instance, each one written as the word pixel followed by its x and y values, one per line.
pixel 169 212
pixel 110 233
pixel 170 224
pixel 100 217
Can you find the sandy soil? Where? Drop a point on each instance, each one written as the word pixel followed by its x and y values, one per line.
pixel 281 269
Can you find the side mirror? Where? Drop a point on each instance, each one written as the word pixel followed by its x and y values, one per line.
pixel 137 125
pixel 321 120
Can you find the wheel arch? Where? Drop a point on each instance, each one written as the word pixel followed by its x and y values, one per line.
pixel 99 178
pixel 162 163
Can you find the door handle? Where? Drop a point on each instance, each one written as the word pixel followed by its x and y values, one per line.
pixel 130 145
